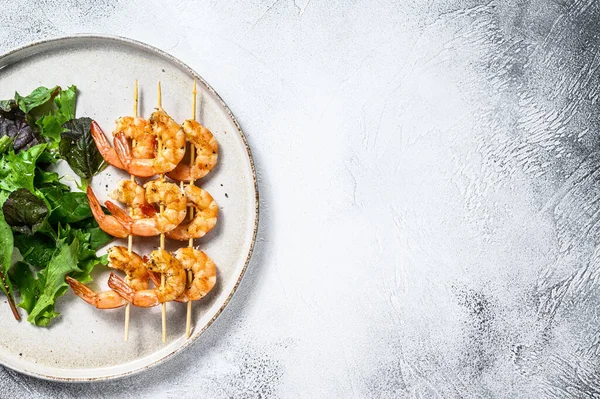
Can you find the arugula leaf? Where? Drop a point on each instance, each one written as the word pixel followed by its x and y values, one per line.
pixel 51 282
pixel 25 212
pixel 18 170
pixel 66 207
pixel 79 149
pixel 39 96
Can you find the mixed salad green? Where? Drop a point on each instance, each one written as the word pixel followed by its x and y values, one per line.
pixel 47 231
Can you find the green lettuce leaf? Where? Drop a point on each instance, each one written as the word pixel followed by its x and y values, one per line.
pixel 86 256
pixel 98 238
pixel 38 97
pixel 5 142
pixel 51 282
pixel 51 124
pixel 6 240
pixel 18 170
pixel 29 290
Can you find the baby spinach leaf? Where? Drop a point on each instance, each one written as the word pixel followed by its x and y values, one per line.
pixel 25 212
pixel 44 178
pixel 36 98
pixel 37 250
pixel 66 206
pixel 78 148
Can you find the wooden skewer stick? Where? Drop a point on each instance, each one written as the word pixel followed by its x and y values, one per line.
pixel 188 319
pixel 162 240
pixel 130 237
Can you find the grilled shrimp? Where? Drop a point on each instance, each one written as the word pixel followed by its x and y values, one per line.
pixel 204 273
pixel 136 270
pixel 157 192
pixel 135 129
pixel 119 258
pixel 168 155
pixel 160 261
pixel 109 223
pixel 134 196
pixel 207 151
pixel 205 216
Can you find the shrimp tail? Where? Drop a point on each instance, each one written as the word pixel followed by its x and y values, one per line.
pixel 121 216
pixel 82 291
pixel 182 172
pixel 94 204
pixel 103 300
pixel 148 210
pixel 107 223
pixel 123 150
pixel 107 152
pixel 120 287
pixel 155 277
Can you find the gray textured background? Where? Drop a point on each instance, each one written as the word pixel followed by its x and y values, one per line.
pixel 430 200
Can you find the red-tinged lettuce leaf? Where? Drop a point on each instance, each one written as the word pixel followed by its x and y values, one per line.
pixel 78 148
pixel 25 213
pixel 15 129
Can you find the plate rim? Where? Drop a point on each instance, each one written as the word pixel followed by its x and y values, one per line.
pixel 177 61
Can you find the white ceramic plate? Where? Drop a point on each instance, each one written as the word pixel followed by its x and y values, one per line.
pixel 84 343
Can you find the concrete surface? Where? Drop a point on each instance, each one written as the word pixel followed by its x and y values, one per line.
pixel 430 195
